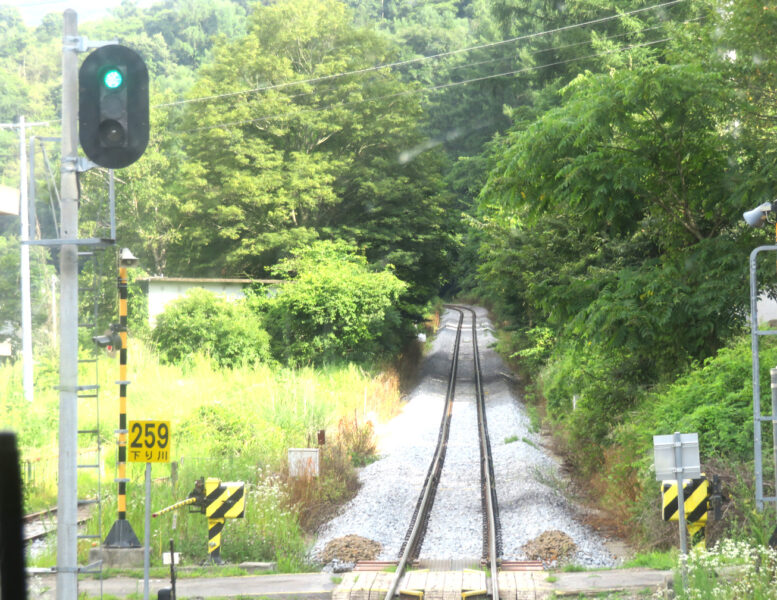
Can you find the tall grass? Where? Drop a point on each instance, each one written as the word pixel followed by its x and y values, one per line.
pixel 732 570
pixel 232 424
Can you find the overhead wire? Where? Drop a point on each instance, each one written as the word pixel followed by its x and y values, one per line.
pixel 419 59
pixel 478 63
pixel 418 90
pixel 567 46
pixel 535 53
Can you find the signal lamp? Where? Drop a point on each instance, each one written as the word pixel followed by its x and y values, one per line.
pixel 113 106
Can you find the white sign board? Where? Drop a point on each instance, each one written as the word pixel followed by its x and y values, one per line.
pixel 303 462
pixel 664 447
pixel 9 200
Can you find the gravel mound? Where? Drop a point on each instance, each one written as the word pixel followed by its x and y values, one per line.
pixel 550 547
pixel 351 548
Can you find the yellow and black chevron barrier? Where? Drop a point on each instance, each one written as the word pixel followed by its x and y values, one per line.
pixel 223 500
pixel 218 501
pixel 697 500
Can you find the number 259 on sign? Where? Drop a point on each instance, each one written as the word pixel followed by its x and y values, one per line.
pixel 149 441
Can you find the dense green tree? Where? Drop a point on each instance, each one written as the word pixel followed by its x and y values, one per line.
pixel 202 322
pixel 335 307
pixel 610 225
pixel 190 26
pixel 272 169
pixel 639 158
pixel 14 35
pixel 751 65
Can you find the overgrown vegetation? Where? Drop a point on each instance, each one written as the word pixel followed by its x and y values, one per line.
pixel 731 571
pixel 202 322
pixel 334 307
pixel 232 423
pixel 612 249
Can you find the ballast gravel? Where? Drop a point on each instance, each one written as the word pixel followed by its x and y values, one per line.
pixel 528 479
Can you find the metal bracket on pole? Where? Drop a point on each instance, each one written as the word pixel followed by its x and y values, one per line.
pixel 81 43
pixel 77 164
pixel 69 164
pixel 84 164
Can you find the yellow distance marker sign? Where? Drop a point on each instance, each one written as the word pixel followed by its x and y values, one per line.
pixel 149 441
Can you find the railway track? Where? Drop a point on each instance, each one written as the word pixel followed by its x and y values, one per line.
pixel 43 523
pixel 418 526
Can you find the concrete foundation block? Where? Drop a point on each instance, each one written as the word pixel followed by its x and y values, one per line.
pixel 118 558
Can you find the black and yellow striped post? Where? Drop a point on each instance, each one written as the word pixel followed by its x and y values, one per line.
pixel 697 496
pixel 121 534
pixel 223 500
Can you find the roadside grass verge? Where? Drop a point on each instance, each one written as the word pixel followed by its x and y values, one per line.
pixel 656 559
pixel 232 424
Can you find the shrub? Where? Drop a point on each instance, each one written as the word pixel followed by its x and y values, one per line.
pixel 606 387
pixel 336 307
pixel 202 322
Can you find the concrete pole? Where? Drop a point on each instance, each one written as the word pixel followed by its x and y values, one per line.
pixel 24 213
pixel 67 534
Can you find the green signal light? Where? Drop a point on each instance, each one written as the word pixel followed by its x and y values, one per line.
pixel 112 79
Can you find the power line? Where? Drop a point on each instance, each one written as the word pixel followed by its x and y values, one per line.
pixel 423 89
pixel 420 59
pixel 567 46
pixel 535 53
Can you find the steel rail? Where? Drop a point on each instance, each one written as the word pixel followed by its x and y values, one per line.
pixel 32 519
pixel 487 468
pixel 433 477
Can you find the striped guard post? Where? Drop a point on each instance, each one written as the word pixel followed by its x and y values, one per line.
pixel 698 533
pixel 223 500
pixel 697 495
pixel 214 539
pixel 122 461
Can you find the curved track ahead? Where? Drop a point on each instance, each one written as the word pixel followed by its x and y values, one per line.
pixel 417 529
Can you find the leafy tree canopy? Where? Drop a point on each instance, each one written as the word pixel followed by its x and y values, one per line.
pixel 335 308
pixel 300 159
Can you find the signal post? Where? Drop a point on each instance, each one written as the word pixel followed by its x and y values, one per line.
pixel 105 105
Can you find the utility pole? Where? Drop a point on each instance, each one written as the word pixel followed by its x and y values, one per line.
pixel 24 214
pixel 67 540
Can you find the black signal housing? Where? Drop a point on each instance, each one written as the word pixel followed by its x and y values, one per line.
pixel 113 122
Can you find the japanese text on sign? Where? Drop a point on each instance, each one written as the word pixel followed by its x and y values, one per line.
pixel 149 441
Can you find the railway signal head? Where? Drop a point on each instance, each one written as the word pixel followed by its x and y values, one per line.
pixel 110 340
pixel 113 106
